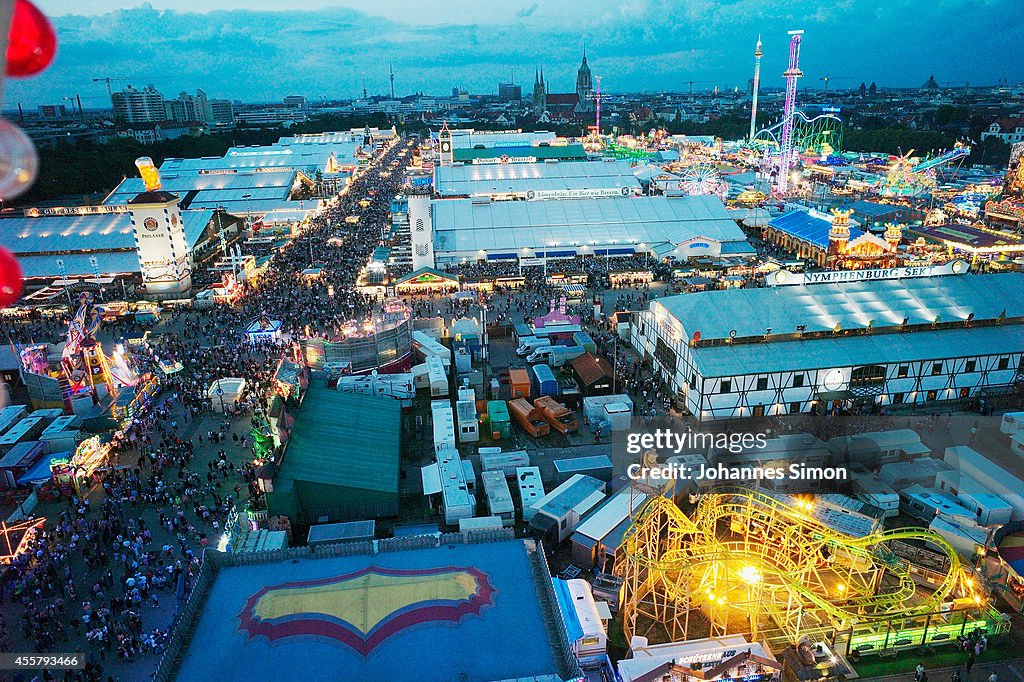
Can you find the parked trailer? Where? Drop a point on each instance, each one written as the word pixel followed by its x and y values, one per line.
pixel 584 339
pixel 519 382
pixel 494 459
pixel 499 498
pixel 528 417
pixel 542 381
pixel 560 417
pixel 557 332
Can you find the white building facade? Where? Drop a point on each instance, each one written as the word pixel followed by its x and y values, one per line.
pixel 786 350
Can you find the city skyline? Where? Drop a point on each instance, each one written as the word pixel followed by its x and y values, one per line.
pixel 653 46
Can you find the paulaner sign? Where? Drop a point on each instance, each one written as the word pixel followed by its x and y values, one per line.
pixel 784 277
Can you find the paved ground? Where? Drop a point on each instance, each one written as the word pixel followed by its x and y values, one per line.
pixel 1006 671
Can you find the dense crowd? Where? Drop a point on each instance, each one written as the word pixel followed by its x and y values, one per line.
pixel 135 538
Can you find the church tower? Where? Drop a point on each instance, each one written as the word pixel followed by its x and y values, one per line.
pixel 540 95
pixel 584 87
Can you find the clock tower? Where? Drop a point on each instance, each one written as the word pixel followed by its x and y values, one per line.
pixel 446 153
pixel 163 252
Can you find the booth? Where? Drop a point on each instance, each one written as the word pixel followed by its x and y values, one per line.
pixel 225 392
pixel 89 456
pixel 263 330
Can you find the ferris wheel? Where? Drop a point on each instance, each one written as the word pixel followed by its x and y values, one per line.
pixel 703 180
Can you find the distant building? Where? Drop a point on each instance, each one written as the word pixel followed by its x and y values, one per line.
pixel 52 111
pixel 138 106
pixel 222 112
pixel 182 108
pixel 1009 130
pixel 540 94
pixel 295 102
pixel 930 85
pixel 150 133
pixel 510 92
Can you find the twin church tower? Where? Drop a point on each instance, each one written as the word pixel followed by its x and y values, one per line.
pixel 580 102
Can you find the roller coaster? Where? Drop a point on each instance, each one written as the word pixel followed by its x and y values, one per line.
pixel 764 564
pixel 820 135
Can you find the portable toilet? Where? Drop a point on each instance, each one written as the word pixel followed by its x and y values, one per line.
pixel 498 418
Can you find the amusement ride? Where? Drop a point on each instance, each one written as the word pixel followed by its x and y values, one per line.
pixel 769 565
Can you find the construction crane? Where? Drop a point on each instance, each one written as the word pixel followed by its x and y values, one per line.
pixel 828 78
pixel 690 83
pixel 108 80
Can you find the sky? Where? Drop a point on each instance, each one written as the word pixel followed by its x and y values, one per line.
pixel 263 50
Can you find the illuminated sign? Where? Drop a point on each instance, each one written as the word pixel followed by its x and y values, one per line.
pixel 831 110
pixel 785 277
pixel 73 210
pixel 506 159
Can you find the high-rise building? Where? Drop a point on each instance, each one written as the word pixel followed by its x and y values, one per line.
pixel 510 92
pixel 182 109
pixel 295 102
pixel 138 106
pixel 222 112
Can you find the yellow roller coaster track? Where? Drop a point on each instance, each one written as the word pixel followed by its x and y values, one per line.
pixel 750 557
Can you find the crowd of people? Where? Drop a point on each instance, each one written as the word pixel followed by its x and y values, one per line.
pixel 109 567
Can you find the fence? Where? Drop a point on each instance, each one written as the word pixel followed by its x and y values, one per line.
pixel 570 666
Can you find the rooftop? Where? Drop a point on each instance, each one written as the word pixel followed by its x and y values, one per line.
pixel 807 227
pixel 568 151
pixel 486 179
pixel 467 225
pixel 574 492
pixel 847 306
pixel 438 612
pixel 969 237
pixel 344 440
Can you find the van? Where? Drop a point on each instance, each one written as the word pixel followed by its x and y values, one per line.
pixel 529 344
pixel 542 354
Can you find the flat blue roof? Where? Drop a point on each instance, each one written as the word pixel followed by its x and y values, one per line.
pixel 436 614
pixel 803 225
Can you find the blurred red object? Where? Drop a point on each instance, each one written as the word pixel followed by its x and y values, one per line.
pixel 32 42
pixel 10 278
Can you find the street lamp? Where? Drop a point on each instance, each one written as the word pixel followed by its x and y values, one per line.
pixel 248 211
